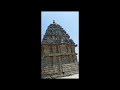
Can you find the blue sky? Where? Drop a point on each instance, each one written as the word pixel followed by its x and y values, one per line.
pixel 68 20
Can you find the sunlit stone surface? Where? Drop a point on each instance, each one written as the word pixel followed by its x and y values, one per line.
pixel 58 53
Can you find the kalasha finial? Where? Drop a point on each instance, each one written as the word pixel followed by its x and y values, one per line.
pixel 53 21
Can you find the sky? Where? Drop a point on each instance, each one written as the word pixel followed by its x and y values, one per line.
pixel 69 20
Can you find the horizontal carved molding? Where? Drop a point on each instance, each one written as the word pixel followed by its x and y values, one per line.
pixel 60 54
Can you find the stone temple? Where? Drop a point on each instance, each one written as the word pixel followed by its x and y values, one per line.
pixel 58 57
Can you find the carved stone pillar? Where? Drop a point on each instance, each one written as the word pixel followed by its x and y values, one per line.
pixel 69 49
pixel 54 60
pixel 47 49
pixel 54 48
pixel 73 49
pixel 51 50
pixel 63 48
pixel 59 64
pixel 71 58
pixel 59 49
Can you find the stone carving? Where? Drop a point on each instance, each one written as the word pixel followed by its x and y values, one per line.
pixel 58 56
pixel 67 36
pixel 73 49
pixel 71 41
pixel 57 49
pixel 69 49
pixel 64 31
pixel 59 32
pixel 46 49
pixel 54 49
pixel 53 38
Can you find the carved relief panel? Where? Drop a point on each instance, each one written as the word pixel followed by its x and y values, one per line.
pixel 73 49
pixel 54 48
pixel 69 49
pixel 63 49
pixel 70 58
pixel 54 60
pixel 47 49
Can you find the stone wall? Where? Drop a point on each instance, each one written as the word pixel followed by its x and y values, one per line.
pixel 60 70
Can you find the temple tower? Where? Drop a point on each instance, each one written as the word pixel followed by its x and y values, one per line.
pixel 58 53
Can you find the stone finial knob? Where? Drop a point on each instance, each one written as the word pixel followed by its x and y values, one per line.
pixel 75 45
pixel 53 21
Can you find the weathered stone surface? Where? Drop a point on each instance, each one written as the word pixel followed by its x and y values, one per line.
pixel 58 53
